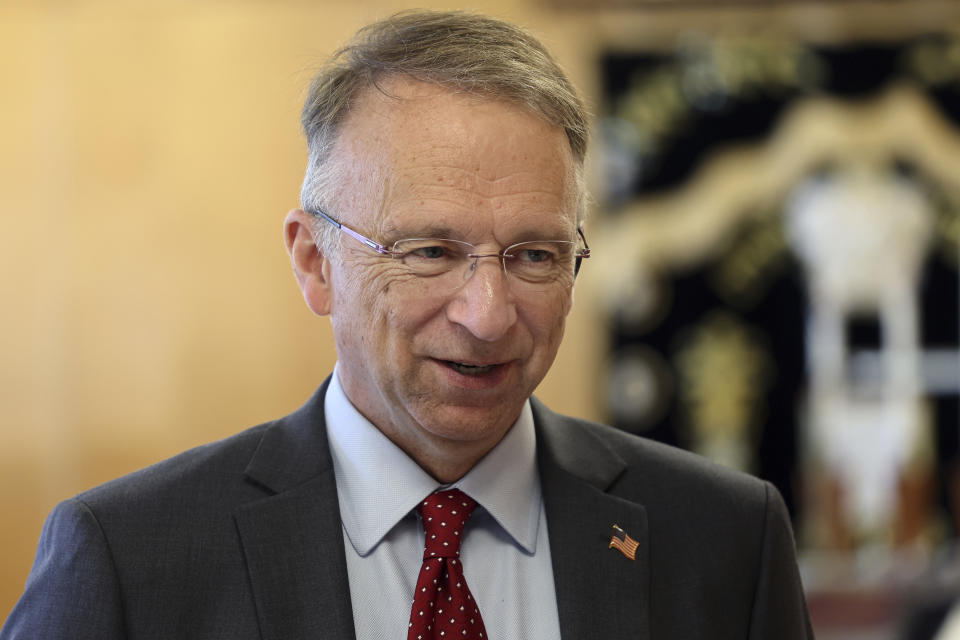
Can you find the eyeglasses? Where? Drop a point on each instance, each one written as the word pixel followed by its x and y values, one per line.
pixel 538 263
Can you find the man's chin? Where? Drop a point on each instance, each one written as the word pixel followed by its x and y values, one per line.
pixel 464 423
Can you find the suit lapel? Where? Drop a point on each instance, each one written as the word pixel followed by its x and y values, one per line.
pixel 293 540
pixel 600 592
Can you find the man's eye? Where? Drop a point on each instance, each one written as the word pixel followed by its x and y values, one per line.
pixel 431 253
pixel 536 255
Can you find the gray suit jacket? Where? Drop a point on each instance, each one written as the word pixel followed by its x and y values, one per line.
pixel 241 539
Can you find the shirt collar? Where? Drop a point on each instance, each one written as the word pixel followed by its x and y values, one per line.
pixel 378 484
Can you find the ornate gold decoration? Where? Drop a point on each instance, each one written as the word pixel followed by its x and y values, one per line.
pixel 705 76
pixel 671 230
pixel 723 373
pixel 947 228
pixel 750 263
pixel 935 61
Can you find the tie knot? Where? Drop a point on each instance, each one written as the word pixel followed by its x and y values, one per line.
pixel 444 514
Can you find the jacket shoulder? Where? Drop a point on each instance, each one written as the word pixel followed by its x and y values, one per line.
pixel 668 481
pixel 217 476
pixel 199 478
pixel 642 458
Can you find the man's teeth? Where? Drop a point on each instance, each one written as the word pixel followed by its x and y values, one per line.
pixel 471 370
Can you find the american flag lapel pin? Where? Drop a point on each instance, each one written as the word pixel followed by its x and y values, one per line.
pixel 623 543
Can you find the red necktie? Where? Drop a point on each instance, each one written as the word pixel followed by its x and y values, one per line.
pixel 443 608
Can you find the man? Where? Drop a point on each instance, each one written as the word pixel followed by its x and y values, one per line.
pixel 441 233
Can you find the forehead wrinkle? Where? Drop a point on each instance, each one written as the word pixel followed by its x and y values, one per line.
pixel 442 212
pixel 473 186
pixel 464 179
pixel 408 230
pixel 433 210
pixel 474 230
pixel 441 220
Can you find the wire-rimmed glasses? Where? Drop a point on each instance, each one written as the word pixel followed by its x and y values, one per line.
pixel 449 263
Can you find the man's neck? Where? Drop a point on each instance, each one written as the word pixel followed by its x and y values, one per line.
pixel 445 460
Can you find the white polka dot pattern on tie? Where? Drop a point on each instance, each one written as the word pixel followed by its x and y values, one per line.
pixel 442 604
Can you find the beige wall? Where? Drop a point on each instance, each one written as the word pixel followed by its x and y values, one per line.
pixel 148 154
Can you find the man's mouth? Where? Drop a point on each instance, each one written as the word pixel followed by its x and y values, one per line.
pixel 470 369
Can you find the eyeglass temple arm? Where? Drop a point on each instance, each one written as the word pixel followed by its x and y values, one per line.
pixel 586 248
pixel 376 246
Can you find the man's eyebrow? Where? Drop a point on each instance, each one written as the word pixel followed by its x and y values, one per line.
pixel 392 232
pixel 396 232
pixel 551 233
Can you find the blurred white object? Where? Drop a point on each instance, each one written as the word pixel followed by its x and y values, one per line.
pixel 862 234
pixel 950 630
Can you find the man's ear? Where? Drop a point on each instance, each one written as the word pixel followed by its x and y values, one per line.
pixel 310 266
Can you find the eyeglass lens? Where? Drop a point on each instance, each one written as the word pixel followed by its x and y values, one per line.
pixel 452 262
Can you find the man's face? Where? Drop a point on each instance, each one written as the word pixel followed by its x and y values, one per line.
pixel 434 163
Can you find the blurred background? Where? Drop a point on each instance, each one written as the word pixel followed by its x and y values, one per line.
pixel 776 227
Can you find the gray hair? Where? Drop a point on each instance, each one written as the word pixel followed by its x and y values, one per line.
pixel 466 52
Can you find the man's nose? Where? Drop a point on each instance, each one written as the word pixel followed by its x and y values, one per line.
pixel 484 305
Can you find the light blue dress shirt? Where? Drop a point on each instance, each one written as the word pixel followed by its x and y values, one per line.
pixel 505 552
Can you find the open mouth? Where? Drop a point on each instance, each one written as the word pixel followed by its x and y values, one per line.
pixel 470 369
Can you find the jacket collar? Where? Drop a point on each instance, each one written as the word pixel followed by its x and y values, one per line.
pixel 600 592
pixel 292 539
